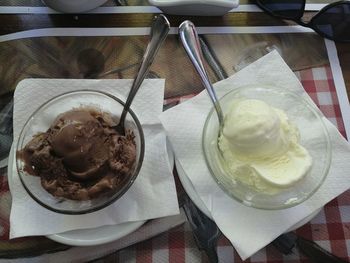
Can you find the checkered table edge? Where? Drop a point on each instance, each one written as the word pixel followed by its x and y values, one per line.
pixel 330 228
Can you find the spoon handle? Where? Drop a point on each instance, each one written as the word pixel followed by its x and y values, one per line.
pixel 159 32
pixel 190 41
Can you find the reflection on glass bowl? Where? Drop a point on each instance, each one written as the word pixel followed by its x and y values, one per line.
pixel 42 119
pixel 313 136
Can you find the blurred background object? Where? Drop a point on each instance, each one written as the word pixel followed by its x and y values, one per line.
pixel 76 6
pixel 195 7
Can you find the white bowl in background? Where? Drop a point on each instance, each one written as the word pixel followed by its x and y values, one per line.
pixel 195 7
pixel 73 6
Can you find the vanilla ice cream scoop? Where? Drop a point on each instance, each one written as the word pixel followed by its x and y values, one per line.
pixel 261 146
pixel 253 128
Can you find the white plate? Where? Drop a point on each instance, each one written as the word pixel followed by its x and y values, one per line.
pixel 94 236
pixel 189 188
pixel 73 6
pixel 195 7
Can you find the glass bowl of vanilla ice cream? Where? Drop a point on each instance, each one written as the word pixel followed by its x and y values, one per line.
pixel 273 151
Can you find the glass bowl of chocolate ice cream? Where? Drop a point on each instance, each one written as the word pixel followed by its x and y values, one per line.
pixel 70 158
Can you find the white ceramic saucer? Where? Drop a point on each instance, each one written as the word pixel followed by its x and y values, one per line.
pixel 195 7
pixel 94 236
pixel 73 6
pixel 189 188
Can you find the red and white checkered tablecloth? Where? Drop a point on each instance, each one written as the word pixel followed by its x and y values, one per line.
pixel 330 228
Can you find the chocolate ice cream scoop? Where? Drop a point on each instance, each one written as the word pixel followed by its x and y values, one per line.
pixel 82 142
pixel 80 156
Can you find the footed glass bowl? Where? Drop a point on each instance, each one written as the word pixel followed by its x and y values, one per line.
pixel 313 136
pixel 42 119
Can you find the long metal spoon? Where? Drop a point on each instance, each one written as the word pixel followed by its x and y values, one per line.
pixel 159 31
pixel 190 41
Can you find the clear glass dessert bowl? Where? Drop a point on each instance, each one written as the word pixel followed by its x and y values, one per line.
pixel 313 137
pixel 41 120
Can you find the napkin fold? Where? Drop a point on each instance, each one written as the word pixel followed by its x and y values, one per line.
pixel 247 228
pixel 153 193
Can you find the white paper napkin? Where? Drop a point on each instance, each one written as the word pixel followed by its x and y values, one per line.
pixel 152 195
pixel 247 228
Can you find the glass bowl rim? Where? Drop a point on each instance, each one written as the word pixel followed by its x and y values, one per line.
pixel 114 197
pixel 309 105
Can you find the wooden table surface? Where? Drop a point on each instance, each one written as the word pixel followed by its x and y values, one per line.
pixel 10 23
